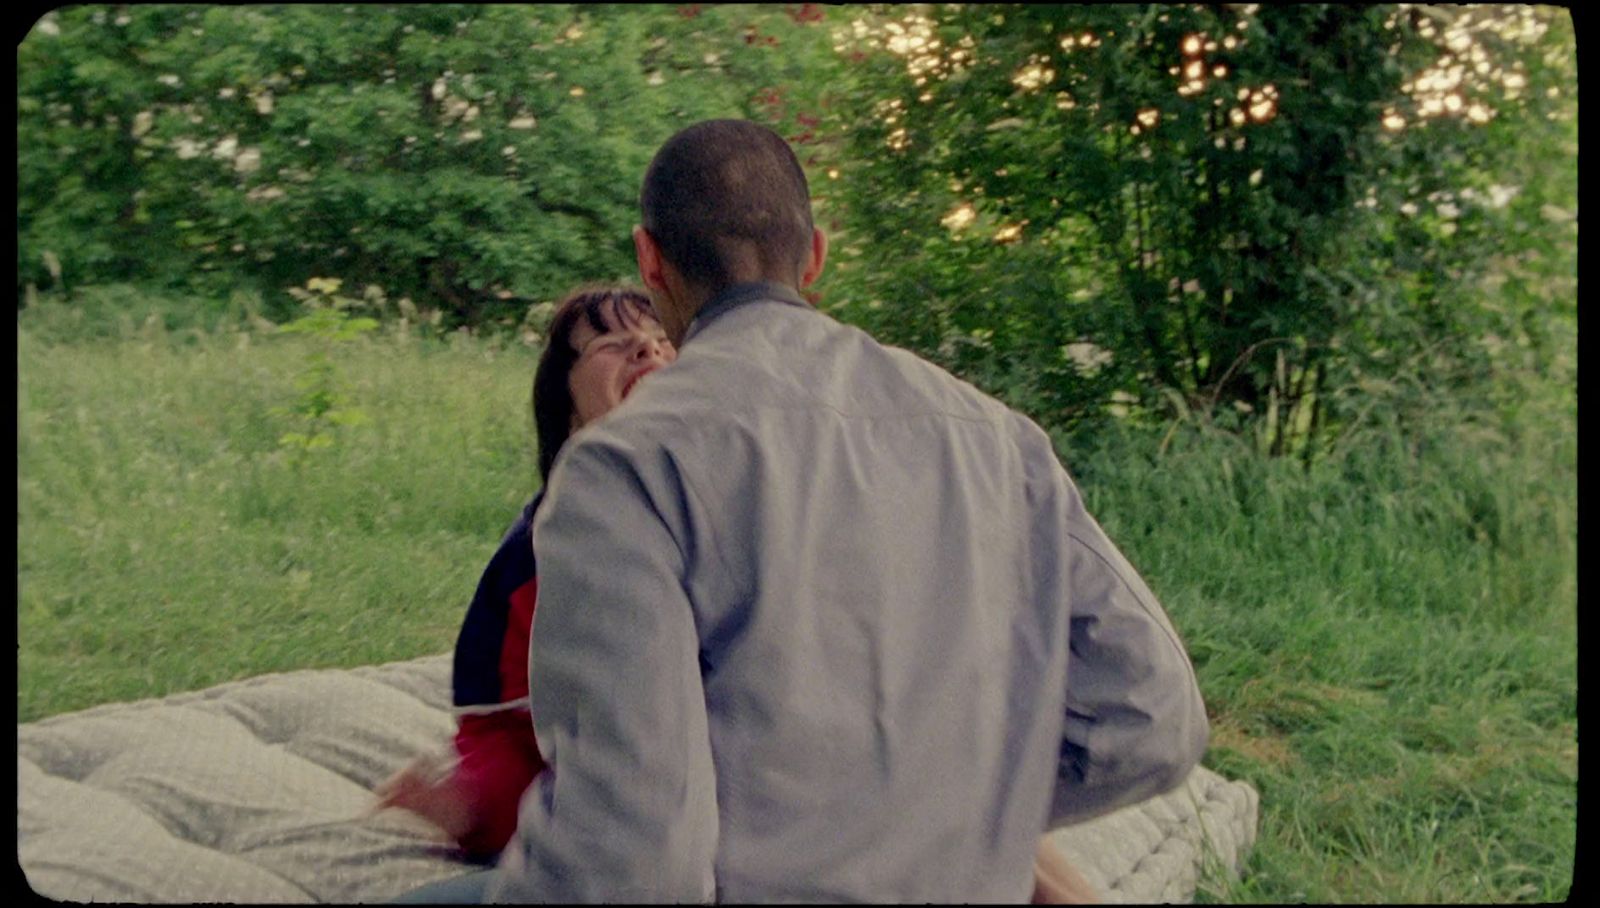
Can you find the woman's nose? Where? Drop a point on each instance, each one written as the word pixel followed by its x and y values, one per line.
pixel 647 348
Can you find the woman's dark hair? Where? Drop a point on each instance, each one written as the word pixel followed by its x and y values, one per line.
pixel 603 308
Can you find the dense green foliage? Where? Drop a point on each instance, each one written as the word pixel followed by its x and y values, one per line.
pixel 1203 205
pixel 465 156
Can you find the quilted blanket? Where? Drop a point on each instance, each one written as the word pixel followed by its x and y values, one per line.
pixel 257 791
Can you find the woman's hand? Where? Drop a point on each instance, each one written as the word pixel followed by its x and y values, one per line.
pixel 420 789
pixel 1056 881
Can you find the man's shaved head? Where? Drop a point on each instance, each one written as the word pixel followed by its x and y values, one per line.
pixel 727 202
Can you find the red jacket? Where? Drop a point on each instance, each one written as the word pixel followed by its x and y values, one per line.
pixel 498 754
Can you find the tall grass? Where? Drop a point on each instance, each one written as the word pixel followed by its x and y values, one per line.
pixel 1387 644
pixel 1386 641
pixel 166 542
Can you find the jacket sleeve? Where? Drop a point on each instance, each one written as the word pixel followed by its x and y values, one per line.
pixel 1135 725
pixel 498 758
pixel 626 811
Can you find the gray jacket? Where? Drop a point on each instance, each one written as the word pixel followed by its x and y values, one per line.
pixel 819 622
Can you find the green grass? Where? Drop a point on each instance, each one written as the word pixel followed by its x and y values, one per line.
pixel 1388 648
pixel 166 542
pixel 1387 643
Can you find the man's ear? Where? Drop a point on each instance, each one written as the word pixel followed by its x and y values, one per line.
pixel 650 263
pixel 817 258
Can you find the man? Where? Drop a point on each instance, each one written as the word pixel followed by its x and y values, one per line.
pixel 819 622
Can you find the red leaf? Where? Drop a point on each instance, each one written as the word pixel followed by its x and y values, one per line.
pixel 808 12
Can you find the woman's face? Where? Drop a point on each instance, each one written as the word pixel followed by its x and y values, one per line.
pixel 610 364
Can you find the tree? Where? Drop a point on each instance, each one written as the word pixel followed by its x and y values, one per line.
pixel 476 157
pixel 1187 198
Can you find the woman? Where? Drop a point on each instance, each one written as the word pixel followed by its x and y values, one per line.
pixel 602 342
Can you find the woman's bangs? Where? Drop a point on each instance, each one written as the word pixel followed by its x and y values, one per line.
pixel 618 310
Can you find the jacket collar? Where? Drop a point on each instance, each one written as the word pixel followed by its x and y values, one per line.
pixel 738 295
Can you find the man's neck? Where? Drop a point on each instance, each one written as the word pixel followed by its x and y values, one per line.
pixel 735 295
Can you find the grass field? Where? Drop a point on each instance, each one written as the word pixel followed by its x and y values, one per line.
pixel 1387 642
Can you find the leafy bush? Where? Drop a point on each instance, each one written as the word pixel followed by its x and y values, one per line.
pixel 1206 209
pixel 478 157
